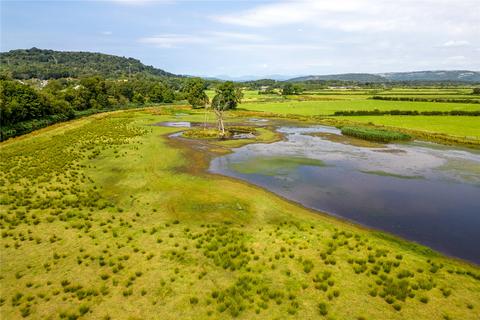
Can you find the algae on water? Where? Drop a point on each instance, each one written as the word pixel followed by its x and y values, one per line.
pixel 273 165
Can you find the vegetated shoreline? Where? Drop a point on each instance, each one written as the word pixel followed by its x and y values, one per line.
pixel 436 137
pixel 330 120
pixel 198 161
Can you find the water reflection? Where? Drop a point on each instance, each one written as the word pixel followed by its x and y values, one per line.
pixel 421 191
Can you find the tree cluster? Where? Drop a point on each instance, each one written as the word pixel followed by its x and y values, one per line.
pixel 291 89
pixel 64 99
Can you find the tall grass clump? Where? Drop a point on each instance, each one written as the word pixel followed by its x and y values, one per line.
pixel 379 135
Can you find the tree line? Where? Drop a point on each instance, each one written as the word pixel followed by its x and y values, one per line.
pixel 25 107
pixel 421 99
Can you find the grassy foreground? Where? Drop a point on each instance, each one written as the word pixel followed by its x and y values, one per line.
pixel 106 218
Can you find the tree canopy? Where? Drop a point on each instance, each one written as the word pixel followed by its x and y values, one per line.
pixel 227 97
pixel 195 92
pixel 291 89
pixel 62 99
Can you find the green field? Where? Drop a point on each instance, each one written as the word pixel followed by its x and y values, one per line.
pixel 107 218
pixel 329 107
pixel 327 102
pixel 459 126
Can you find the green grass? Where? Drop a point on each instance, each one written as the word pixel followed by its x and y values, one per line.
pixel 105 218
pixel 378 135
pixel 465 127
pixel 310 108
pixel 460 126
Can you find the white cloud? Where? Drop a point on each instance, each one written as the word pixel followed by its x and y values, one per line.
pixel 456 43
pixel 287 12
pixel 216 38
pixel 107 33
pixel 237 36
pixel 456 58
pixel 308 37
pixel 173 40
pixel 273 48
pixel 453 16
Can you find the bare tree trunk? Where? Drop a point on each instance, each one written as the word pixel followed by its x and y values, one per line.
pixel 205 121
pixel 220 125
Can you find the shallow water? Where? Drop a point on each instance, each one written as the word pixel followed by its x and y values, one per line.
pixel 424 192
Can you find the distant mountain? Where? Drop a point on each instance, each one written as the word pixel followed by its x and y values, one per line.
pixel 50 64
pixel 357 77
pixel 453 75
pixel 277 77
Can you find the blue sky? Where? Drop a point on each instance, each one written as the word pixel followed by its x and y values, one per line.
pixel 256 37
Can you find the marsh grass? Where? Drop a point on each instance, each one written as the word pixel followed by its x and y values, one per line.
pixel 270 259
pixel 372 134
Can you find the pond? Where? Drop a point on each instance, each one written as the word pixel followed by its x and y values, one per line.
pixel 420 191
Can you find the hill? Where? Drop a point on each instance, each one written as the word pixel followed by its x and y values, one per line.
pixel 51 64
pixel 450 76
pixel 453 75
pixel 357 77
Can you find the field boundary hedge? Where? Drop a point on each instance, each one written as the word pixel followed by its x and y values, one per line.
pixel 377 112
pixel 417 99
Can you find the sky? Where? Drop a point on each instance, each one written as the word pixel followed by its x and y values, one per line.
pixel 237 38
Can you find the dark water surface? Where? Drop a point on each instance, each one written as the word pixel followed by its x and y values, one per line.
pixel 420 191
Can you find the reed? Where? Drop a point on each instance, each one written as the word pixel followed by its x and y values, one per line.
pixel 378 135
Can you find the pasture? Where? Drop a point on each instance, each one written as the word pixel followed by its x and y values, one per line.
pixel 326 102
pixel 107 218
